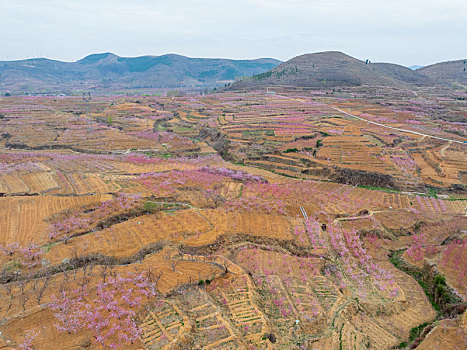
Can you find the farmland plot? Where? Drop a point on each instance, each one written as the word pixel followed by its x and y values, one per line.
pixel 232 221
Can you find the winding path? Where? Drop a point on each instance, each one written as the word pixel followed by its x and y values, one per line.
pixel 444 148
pixel 384 126
pixel 399 129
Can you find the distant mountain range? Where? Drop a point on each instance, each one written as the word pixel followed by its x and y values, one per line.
pixel 452 72
pixel 109 71
pixel 333 68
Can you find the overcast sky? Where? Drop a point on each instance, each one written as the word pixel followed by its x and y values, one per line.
pixel 407 32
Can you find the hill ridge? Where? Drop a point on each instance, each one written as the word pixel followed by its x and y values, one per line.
pixel 335 68
pixel 448 72
pixel 107 70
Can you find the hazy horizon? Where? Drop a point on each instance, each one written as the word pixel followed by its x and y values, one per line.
pixel 213 57
pixel 412 32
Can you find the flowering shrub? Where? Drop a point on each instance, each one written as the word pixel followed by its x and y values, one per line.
pixel 31 255
pixel 167 183
pixel 406 164
pixel 416 250
pixel 10 248
pixel 313 231
pixel 26 167
pixel 64 228
pixel 260 196
pixel 164 137
pixel 205 178
pixel 79 221
pixel 110 314
pixel 28 340
pixel 357 262
pixel 28 256
pixel 234 174
pixel 453 258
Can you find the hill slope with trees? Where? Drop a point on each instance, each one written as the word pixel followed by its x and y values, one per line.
pixel 333 68
pixel 107 70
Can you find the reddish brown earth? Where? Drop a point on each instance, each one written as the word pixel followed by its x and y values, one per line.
pixel 256 221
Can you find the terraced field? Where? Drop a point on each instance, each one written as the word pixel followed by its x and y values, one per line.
pixel 232 221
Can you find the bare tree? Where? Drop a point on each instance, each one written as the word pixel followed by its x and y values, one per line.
pixel 150 274
pixel 104 272
pixel 112 273
pixel 35 284
pixel 168 255
pixel 23 294
pixel 86 274
pixel 63 287
pixel 40 291
pixel 157 278
pixel 66 276
pixel 225 265
pixel 91 268
pixel 9 291
pixel 75 273
pixel 74 252
pixel 84 281
pixel 174 263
